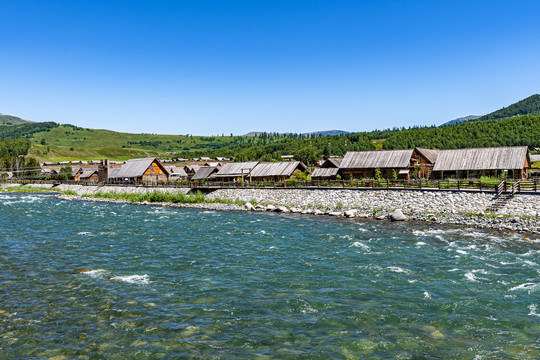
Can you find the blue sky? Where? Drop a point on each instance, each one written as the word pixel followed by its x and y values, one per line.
pixel 211 67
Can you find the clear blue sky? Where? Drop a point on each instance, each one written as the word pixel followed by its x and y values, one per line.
pixel 211 67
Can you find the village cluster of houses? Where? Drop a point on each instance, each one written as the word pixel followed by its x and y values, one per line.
pixel 419 163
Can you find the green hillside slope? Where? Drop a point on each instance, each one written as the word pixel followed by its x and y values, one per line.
pixel 522 130
pixel 530 105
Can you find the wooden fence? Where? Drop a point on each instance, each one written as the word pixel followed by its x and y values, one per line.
pixel 498 187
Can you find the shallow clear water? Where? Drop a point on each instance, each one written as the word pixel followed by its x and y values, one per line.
pixel 94 281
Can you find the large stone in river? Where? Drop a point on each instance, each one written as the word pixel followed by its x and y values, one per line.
pixel 397 215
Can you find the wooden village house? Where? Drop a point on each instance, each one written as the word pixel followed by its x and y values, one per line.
pixel 508 162
pixel 423 161
pixel 89 175
pixel 176 173
pixel 328 170
pixel 235 170
pixel 204 173
pixel 140 170
pixel 191 170
pixel 366 164
pixel 276 171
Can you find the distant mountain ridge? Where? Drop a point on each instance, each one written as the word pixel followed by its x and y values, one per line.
pixel 462 119
pixel 12 120
pixel 312 134
pixel 528 106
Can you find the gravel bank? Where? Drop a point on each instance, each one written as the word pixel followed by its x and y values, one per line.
pixel 520 213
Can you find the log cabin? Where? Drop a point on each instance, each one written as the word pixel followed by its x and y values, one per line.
pixel 364 164
pixel 508 162
pixel 141 170
pixel 276 171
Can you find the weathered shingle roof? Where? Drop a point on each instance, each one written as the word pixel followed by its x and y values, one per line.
pixel 176 170
pixel 87 173
pixel 192 168
pixel 495 158
pixel 76 171
pixel 280 168
pixel 430 154
pixel 324 172
pixel 135 168
pixel 376 159
pixel 236 168
pixel 331 163
pixel 204 172
pixel 535 158
pixel 114 172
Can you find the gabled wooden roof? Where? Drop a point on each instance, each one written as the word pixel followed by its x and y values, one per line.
pixel 137 167
pixel 324 172
pixel 494 158
pixel 113 174
pixel 204 172
pixel 331 163
pixel 280 168
pixel 377 159
pixel 235 169
pixel 430 154
pixel 87 173
pixel 176 170
pixel 191 169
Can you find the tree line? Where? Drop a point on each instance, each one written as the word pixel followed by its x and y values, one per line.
pixel 25 130
pixel 12 158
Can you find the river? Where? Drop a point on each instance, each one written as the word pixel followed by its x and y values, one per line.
pixel 96 280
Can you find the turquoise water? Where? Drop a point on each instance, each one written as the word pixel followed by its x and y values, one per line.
pixel 104 281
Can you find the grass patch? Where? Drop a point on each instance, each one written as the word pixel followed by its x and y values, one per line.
pixel 27 189
pixel 164 197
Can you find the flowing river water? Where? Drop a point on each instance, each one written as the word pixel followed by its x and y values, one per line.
pixel 107 281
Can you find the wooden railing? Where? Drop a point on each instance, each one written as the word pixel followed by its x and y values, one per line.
pixel 516 187
pixel 505 186
pixel 501 188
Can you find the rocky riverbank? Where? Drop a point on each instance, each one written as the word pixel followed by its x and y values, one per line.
pixel 520 213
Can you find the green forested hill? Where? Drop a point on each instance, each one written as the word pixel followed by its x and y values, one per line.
pixel 25 130
pixel 522 130
pixel 54 142
pixel 530 105
pixel 12 120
